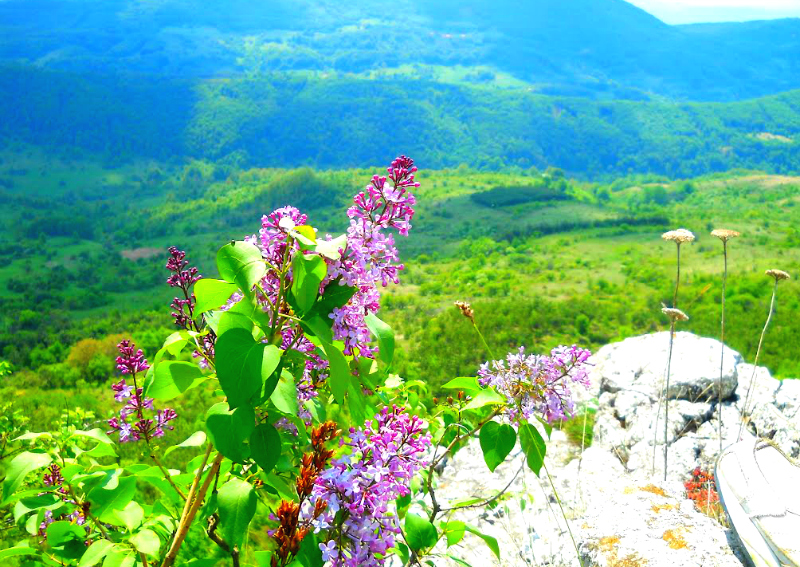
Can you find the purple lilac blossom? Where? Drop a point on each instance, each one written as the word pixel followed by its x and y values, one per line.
pixel 130 362
pixel 371 256
pixel 385 456
pixel 538 384
pixel 183 279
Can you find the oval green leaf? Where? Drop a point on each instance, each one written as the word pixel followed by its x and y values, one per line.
pixel 240 263
pixel 265 446
pixel 497 441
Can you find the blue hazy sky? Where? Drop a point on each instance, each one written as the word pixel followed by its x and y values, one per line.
pixel 693 11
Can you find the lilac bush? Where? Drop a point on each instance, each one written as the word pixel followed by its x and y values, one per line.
pixel 287 355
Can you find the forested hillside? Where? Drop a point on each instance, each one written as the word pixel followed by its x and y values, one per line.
pixel 594 48
pixel 286 120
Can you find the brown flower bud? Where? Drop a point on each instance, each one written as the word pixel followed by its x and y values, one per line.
pixel 466 310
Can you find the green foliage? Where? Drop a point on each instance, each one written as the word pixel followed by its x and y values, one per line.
pixel 497 441
pixel 237 506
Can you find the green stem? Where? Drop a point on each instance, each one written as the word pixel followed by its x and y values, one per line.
pixel 485 344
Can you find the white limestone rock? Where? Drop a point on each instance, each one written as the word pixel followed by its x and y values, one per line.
pixel 638 364
pixel 650 524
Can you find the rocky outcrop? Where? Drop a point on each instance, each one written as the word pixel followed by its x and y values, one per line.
pixel 621 513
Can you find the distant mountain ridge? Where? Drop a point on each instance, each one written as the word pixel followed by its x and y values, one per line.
pixel 594 48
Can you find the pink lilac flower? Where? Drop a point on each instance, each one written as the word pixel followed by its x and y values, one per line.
pixel 371 256
pixel 384 457
pixel 536 384
pixel 130 362
pixel 53 476
pixel 182 278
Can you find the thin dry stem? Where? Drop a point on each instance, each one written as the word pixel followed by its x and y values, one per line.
pixel 666 399
pixel 724 239
pixel 755 363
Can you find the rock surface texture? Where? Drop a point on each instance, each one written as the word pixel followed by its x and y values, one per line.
pixel 621 511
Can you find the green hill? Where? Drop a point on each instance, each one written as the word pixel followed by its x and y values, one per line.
pixel 286 120
pixel 594 48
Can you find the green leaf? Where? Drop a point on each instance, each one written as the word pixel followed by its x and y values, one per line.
pixel 208 562
pixel 305 235
pixel 285 395
pixel 308 271
pixel 340 376
pixel 459 561
pixel 310 555
pixel 173 378
pixel 533 446
pixel 20 467
pixel 17 551
pixel 131 516
pixel 237 506
pixel 485 398
pixel 454 532
pixel 120 558
pixel 97 434
pixel 174 343
pixel 212 294
pixel 105 501
pixel 230 429
pixel 330 248
pixel 356 402
pixel 490 542
pixel 232 320
pixel 420 533
pixel 469 384
pixel 264 558
pixel 146 541
pixel 62 533
pixel 385 336
pixel 101 450
pixel 265 446
pixel 243 365
pixel 497 441
pixel 335 295
pixel 241 263
pixel 314 324
pixel 196 439
pixel 25 506
pixel 95 553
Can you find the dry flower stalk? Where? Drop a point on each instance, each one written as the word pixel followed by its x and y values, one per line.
pixel 466 310
pixel 675 314
pixel 679 236
pixel 724 234
pixel 778 275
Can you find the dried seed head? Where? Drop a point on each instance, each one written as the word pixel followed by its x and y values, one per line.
pixel 675 314
pixel 679 236
pixel 724 234
pixel 778 275
pixel 466 310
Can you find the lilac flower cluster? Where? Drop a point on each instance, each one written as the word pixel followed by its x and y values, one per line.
pixel 183 279
pixel 371 256
pixel 538 384
pixel 53 477
pixel 358 489
pixel 130 362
